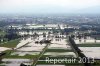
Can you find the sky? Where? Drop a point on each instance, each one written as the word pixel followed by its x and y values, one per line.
pixel 48 6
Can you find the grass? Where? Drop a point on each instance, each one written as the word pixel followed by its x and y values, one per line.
pixel 96 63
pixel 2 33
pixel 8 55
pixel 2 65
pixel 97 38
pixel 88 45
pixel 10 44
pixel 21 57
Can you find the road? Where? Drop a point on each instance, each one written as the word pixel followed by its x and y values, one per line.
pixel 78 51
pixel 40 55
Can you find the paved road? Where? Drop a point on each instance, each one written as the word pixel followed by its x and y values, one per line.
pixel 78 51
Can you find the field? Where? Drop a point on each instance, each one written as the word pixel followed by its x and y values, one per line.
pixel 89 45
pixel 10 44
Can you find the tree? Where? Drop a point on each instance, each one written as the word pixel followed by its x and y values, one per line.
pixel 79 36
pixel 73 36
pixel 85 38
pixel 95 39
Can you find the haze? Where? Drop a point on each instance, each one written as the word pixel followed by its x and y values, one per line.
pixel 48 6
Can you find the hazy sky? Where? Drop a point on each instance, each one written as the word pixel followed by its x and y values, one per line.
pixel 45 6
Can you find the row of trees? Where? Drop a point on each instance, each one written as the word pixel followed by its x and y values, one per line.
pixel 11 35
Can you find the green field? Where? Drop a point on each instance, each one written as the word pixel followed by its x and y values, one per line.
pixel 89 45
pixel 2 65
pixel 2 33
pixel 8 55
pixel 10 44
pixel 21 57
